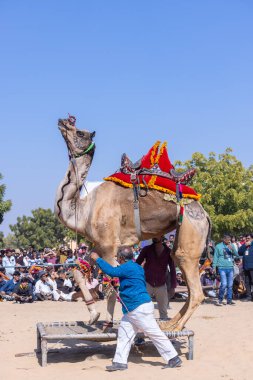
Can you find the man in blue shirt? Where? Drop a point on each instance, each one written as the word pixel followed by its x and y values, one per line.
pixel 138 311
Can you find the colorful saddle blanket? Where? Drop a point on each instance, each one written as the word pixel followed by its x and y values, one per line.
pixel 154 158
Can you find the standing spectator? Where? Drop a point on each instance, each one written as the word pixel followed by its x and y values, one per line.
pixel 136 251
pixel 170 277
pixel 157 258
pixel 50 256
pixel 234 243
pixel 83 251
pixel 63 255
pixel 9 263
pixel 171 241
pixel 211 248
pixel 71 257
pixel 223 259
pixel 242 240
pixel 247 261
pixel 32 259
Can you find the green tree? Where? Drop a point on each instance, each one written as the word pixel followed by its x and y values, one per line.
pixel 10 241
pixel 40 230
pixel 4 205
pixel 227 191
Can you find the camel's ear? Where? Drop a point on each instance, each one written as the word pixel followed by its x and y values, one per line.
pixel 92 134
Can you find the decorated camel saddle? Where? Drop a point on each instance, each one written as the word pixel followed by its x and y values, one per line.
pixel 155 171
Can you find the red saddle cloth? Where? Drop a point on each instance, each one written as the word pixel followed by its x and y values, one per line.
pixel 165 185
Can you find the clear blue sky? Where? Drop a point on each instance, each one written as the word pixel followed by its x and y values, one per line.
pixel 134 71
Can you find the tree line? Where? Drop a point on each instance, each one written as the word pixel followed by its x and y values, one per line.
pixel 225 184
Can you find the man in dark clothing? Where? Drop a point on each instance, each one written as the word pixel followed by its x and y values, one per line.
pixel 23 291
pixel 246 250
pixel 157 260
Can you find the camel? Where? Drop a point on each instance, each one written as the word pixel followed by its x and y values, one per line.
pixel 105 217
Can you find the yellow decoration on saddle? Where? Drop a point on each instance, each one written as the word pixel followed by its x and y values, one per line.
pixel 164 146
pixel 153 156
pixel 173 198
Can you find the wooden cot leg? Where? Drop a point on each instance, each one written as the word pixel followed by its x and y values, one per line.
pixel 38 342
pixel 44 352
pixel 190 347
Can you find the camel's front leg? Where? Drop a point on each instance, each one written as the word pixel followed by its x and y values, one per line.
pixel 90 303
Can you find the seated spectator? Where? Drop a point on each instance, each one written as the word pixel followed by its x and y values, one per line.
pixel 208 279
pixel 93 286
pixel 44 287
pixel 239 288
pixel 23 291
pixel 180 282
pixel 2 281
pixel 8 287
pixel 64 287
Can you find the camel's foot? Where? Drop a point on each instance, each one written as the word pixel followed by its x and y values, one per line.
pixel 170 325
pixel 94 315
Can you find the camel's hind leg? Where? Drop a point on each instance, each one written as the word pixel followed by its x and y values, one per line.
pixel 190 242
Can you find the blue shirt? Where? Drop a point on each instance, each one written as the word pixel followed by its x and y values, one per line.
pixel 247 259
pixel 133 292
pixel 9 286
pixel 224 256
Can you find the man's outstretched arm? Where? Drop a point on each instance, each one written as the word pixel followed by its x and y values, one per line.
pixel 107 268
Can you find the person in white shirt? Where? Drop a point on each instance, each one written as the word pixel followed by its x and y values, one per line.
pixel 9 263
pixel 45 288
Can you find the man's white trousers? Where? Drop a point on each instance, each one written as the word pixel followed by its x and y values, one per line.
pixel 141 320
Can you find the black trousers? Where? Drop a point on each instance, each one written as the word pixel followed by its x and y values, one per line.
pixel 249 281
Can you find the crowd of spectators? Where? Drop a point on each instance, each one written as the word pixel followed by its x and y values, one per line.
pixel 30 275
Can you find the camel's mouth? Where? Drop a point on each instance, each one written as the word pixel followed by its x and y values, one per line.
pixel 62 124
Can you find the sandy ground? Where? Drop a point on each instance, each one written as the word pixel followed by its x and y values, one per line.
pixel 223 346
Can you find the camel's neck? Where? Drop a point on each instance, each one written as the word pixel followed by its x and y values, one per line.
pixel 67 202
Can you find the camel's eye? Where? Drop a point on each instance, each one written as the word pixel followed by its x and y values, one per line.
pixel 80 134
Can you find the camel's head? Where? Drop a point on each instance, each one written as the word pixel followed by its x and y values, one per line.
pixel 78 142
